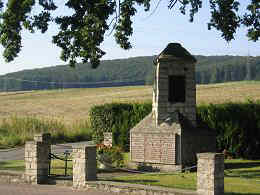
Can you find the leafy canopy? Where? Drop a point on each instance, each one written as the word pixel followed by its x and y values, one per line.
pixel 81 33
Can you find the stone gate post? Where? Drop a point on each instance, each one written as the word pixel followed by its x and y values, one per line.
pixel 37 159
pixel 210 174
pixel 84 164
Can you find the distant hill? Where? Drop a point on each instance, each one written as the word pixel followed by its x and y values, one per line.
pixel 130 71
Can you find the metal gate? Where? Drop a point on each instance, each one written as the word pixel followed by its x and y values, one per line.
pixel 60 164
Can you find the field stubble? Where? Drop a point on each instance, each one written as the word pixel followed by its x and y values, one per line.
pixel 74 104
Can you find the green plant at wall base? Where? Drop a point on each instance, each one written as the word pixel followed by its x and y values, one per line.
pixel 110 155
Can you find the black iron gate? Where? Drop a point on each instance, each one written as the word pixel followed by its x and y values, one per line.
pixel 60 163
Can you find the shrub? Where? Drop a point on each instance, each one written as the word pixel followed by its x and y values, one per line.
pixel 117 118
pixel 110 155
pixel 237 125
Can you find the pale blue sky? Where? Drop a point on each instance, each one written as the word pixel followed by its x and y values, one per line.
pixel 151 35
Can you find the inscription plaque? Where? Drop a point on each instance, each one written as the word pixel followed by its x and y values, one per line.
pixel 153 148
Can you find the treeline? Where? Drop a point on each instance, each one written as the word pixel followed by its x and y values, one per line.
pixel 120 72
pixel 218 69
pixel 130 71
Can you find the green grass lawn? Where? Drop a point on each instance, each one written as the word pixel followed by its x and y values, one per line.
pixel 242 177
pixel 57 166
pixel 12 165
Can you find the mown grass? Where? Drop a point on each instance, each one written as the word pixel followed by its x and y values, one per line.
pixel 12 165
pixel 16 131
pixel 241 177
pixel 57 166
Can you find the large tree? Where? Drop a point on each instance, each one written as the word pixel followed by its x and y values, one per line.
pixel 81 33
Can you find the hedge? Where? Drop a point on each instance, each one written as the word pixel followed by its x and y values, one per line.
pixel 237 125
pixel 117 118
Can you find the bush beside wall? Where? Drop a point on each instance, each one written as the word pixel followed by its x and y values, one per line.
pixel 237 124
pixel 117 118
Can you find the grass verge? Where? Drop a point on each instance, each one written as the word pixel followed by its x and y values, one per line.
pixel 12 165
pixel 242 177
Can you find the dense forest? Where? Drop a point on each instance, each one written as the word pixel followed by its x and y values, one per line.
pixel 130 71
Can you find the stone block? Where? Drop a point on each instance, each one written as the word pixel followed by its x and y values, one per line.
pixel 210 174
pixel 42 137
pixel 37 159
pixel 84 164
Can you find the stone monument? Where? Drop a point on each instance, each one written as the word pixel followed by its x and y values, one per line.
pixel 168 138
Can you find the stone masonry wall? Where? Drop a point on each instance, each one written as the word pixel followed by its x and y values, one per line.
pixel 155 147
pixel 84 165
pixel 37 159
pixel 159 146
pixel 210 174
pixel 161 107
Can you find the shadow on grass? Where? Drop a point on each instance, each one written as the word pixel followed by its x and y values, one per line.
pixel 147 168
pixel 232 193
pixel 232 170
pixel 60 177
pixel 250 174
pixel 136 181
pixel 107 170
pixel 237 165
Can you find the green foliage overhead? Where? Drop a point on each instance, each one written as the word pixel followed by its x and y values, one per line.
pixel 81 32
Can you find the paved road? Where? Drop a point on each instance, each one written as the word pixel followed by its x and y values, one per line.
pixel 18 153
pixel 25 189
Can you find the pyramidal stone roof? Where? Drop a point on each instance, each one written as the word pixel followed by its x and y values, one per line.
pixel 175 50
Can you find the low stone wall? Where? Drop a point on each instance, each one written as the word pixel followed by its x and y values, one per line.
pixel 210 178
pixel 210 172
pixel 12 177
pixel 136 189
pixel 111 187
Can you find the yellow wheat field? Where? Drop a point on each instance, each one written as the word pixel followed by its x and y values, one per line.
pixel 74 104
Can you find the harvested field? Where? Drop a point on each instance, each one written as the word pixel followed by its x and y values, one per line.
pixel 73 104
